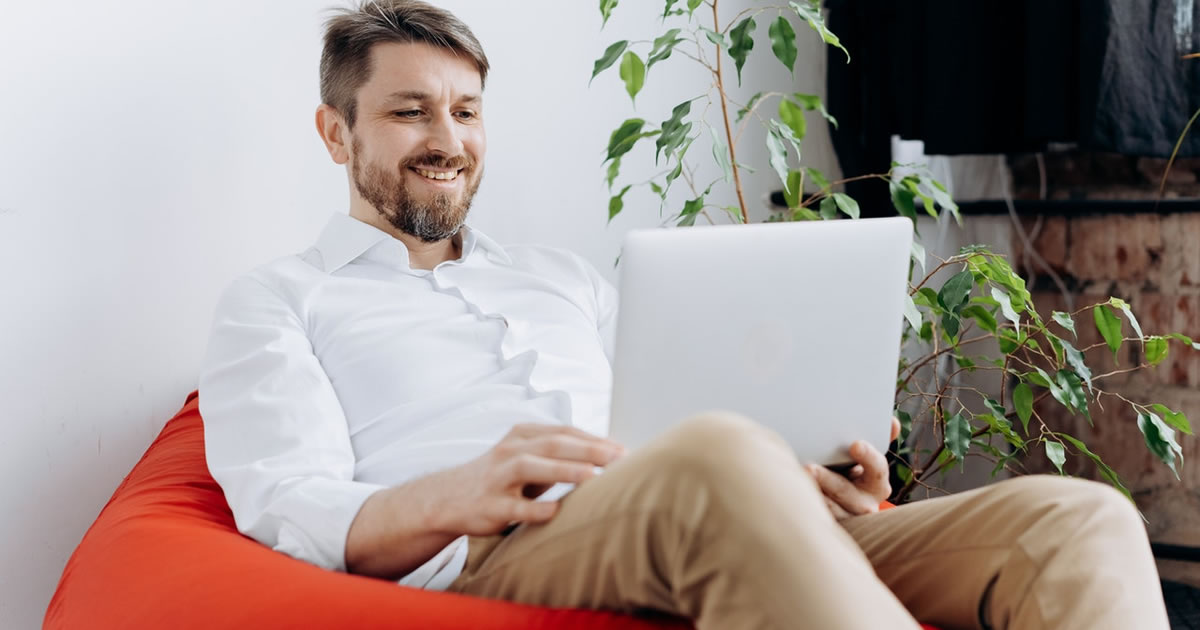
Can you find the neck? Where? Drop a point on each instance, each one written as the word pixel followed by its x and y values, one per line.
pixel 421 255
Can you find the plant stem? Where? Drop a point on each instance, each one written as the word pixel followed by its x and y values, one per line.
pixel 737 176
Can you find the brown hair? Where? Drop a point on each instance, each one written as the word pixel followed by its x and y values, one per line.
pixel 350 34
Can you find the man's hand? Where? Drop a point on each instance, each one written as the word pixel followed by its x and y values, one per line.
pixel 863 488
pixel 485 495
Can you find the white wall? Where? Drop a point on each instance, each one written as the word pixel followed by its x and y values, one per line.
pixel 153 149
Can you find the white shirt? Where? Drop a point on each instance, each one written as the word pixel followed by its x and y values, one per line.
pixel 342 370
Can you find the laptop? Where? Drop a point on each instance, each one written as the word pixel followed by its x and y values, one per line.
pixel 795 325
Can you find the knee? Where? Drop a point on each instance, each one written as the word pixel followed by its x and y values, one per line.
pixel 1073 502
pixel 715 437
pixel 722 450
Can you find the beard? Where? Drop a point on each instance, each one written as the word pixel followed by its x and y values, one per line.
pixel 435 219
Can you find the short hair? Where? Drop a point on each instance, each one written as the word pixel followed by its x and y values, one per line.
pixel 351 33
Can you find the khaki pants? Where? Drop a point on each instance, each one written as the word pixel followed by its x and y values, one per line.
pixel 717 522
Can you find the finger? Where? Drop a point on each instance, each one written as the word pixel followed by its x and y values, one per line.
pixel 856 472
pixel 527 469
pixel 895 429
pixel 839 513
pixel 874 479
pixel 572 448
pixel 526 511
pixel 530 430
pixel 843 491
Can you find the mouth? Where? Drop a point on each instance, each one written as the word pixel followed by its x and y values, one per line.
pixel 437 175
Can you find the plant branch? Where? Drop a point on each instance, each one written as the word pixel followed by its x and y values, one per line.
pixel 737 176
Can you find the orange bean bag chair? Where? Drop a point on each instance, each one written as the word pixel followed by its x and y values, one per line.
pixel 165 553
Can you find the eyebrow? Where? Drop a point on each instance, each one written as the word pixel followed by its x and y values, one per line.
pixel 417 95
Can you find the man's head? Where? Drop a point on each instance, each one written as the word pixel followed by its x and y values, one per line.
pixel 401 90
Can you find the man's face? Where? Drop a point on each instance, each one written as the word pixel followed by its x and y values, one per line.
pixel 418 141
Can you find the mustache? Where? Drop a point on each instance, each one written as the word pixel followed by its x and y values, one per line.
pixel 433 160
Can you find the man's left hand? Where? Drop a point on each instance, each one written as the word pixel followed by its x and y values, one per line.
pixel 863 488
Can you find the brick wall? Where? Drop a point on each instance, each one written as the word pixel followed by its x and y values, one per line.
pixel 1153 262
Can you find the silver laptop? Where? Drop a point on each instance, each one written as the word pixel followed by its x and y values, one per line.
pixel 796 325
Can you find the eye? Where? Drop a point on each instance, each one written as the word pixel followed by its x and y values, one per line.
pixel 466 115
pixel 408 113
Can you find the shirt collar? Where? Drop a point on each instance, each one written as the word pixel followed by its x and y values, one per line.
pixel 345 239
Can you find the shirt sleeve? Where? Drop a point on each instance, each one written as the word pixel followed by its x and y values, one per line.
pixel 275 435
pixel 606 309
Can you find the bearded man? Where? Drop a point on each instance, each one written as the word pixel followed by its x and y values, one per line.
pixel 408 399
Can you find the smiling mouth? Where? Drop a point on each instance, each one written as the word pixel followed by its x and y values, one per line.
pixel 444 176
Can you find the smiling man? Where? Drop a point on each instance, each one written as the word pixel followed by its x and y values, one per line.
pixel 408 399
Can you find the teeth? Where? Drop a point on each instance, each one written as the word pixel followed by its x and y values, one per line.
pixel 449 175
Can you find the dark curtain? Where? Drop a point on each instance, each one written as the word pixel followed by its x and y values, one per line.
pixel 984 76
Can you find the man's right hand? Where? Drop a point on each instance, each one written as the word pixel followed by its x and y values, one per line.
pixel 498 488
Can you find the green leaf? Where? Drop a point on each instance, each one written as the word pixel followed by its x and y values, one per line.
pixel 811 102
pixel 692 4
pixel 614 169
pixel 804 214
pixel 721 154
pixel 1065 320
pixel 828 208
pixel 1185 339
pixel 1023 402
pixel 917 252
pixel 998 424
pixel 1175 419
pixel 1070 389
pixel 734 213
pixel 606 7
pixel 674 130
pixel 981 315
pixel 905 425
pixel 633 72
pixel 624 137
pixel 783 42
pixel 811 13
pixel 1121 304
pixel 794 189
pixel 1006 306
pixel 691 209
pixel 954 293
pixel 1107 472
pixel 847 204
pixel 719 39
pixel 912 314
pixel 742 38
pixel 1075 360
pixel 904 201
pixel 617 203
pixel 817 178
pixel 792 115
pixel 1156 349
pixel 1056 454
pixel 667 10
pixel 664 45
pixel 951 323
pixel 1160 439
pixel 1109 326
pixel 610 56
pixel 958 435
pixel 749 106
pixel 779 154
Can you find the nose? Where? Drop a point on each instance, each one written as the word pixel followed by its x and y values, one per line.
pixel 444 137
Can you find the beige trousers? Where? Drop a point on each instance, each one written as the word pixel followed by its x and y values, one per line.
pixel 716 521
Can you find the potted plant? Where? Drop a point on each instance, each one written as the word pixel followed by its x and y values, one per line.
pixel 983 303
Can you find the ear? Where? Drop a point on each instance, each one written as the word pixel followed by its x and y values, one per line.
pixel 334 133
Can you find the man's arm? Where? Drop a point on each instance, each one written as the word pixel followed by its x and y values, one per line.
pixel 402 527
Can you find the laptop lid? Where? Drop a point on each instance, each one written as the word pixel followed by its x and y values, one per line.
pixel 796 325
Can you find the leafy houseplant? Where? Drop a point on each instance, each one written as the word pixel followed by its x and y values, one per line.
pixel 982 304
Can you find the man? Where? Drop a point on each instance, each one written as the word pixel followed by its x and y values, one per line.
pixel 409 400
